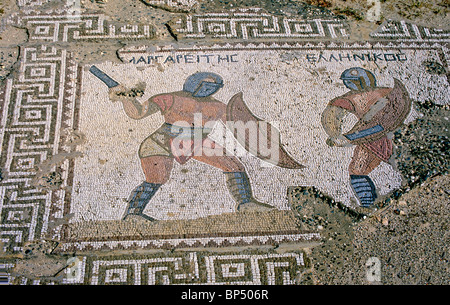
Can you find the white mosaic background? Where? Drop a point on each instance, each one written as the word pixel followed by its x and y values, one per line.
pixel 291 92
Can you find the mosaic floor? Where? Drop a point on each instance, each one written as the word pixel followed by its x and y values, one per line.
pixel 213 147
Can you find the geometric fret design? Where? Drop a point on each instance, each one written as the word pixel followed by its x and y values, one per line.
pixel 62 27
pixel 401 30
pixel 167 270
pixel 192 268
pixel 269 269
pixel 197 268
pixel 35 108
pixel 257 24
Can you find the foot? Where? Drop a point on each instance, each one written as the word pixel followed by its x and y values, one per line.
pixel 254 205
pixel 138 216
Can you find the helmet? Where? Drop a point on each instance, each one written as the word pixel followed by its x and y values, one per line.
pixel 358 79
pixel 203 84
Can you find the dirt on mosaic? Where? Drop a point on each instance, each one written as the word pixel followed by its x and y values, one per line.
pixel 224 142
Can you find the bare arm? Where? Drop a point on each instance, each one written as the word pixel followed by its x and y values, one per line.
pixel 332 118
pixel 136 110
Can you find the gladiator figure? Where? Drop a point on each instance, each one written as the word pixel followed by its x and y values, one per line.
pixel 160 149
pixel 379 111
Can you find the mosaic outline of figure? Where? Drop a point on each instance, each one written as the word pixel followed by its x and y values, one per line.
pixel 158 151
pixel 380 111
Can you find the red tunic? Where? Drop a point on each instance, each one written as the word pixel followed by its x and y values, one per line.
pixel 393 106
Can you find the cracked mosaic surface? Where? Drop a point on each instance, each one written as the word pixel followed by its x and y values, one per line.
pixel 70 155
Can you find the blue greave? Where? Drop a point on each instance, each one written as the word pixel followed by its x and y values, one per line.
pixel 141 197
pixel 239 186
pixel 364 189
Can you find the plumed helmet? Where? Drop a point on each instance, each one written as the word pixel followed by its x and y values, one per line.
pixel 358 79
pixel 203 84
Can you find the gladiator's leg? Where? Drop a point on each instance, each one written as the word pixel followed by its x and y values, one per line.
pixel 237 181
pixel 157 171
pixel 362 164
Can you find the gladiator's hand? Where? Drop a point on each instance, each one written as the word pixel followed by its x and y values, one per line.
pixel 120 93
pixel 117 93
pixel 339 141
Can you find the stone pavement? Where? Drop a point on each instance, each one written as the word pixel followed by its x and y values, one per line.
pixel 306 140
